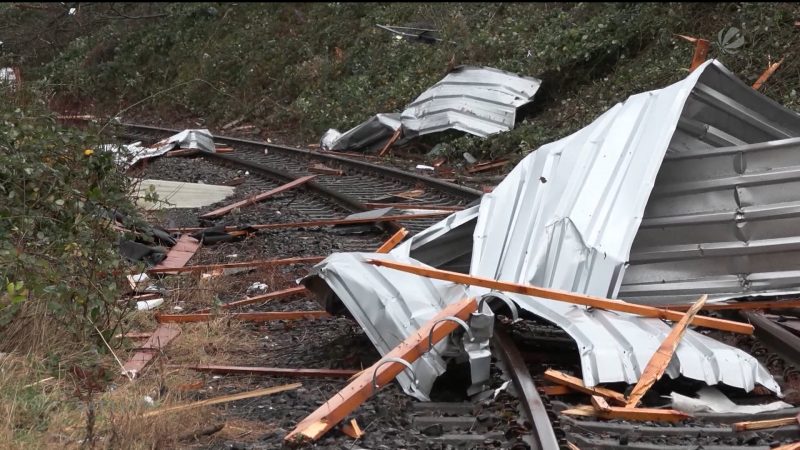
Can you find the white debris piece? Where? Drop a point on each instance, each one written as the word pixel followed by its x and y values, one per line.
pixel 710 399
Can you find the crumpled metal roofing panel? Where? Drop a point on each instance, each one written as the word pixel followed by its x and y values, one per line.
pixel 475 100
pixel 566 218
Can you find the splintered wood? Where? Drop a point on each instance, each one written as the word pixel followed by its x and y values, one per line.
pixel 179 254
pixel 361 388
pixel 660 360
pixel 577 384
pixel 225 399
pixel 256 198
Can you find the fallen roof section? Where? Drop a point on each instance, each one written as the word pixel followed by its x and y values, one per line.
pixel 567 215
pixel 476 100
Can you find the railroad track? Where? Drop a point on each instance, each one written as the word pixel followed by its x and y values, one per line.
pixel 536 423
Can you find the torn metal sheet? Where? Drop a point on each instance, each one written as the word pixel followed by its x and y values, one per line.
pixel 178 194
pixel 476 100
pixel 127 155
pixel 200 139
pixel 389 306
pixel 710 399
pixel 566 218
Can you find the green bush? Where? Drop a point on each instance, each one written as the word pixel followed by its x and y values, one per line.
pixel 57 245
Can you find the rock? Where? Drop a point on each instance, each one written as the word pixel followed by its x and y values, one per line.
pixel 433 430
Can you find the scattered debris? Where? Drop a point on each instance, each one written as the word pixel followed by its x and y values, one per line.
pixel 470 159
pixel 260 298
pixel 257 198
pixel 576 384
pixel 225 399
pixel 424 167
pixel 392 241
pixel 248 264
pixel 146 305
pixel 352 429
pixel 484 167
pixel 180 253
pixel 764 424
pixel 476 100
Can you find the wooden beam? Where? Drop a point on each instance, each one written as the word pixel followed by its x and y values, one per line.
pixel 246 317
pixel 179 254
pixel 625 413
pixel 160 338
pixel 325 170
pixel 225 399
pixel 742 306
pixel 565 296
pixel 257 198
pixel 259 263
pixel 483 167
pixel 260 298
pixel 361 388
pixel 764 424
pixel 391 141
pixel 767 73
pixel 658 363
pixel 701 48
pixel 392 241
pixel 326 222
pixel 273 371
pixel 577 384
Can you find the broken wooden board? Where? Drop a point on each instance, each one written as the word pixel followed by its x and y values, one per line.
pixel 577 384
pixel 361 388
pixel 392 241
pixel 484 167
pixel 246 317
pixel 257 198
pixel 658 363
pixel 273 371
pixel 180 253
pixel 632 414
pixel 565 296
pixel 325 170
pixel 352 429
pixel 767 74
pixel 391 141
pixel 556 390
pixel 160 338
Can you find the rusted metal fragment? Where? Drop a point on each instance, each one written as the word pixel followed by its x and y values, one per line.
pixel 160 338
pixel 246 317
pixel 257 198
pixel 363 386
pixel 253 264
pixel 180 253
pixel 276 371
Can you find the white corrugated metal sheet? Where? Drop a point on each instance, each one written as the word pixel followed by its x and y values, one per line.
pixel 475 100
pixel 567 215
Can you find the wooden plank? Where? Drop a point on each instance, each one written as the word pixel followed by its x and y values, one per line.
pixel 644 414
pixel 487 166
pixel 765 424
pixel 577 384
pixel 254 264
pixel 274 371
pixel 246 317
pixel 565 296
pixel 160 338
pixel 260 298
pixel 360 389
pixel 392 241
pixel 180 253
pixel 257 198
pixel 658 363
pixel 225 399
pixel 326 222
pixel 767 73
pixel 792 446
pixel 701 47
pixel 325 170
pixel 391 141
pixel 743 305
pixel 556 390
pixel 377 205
